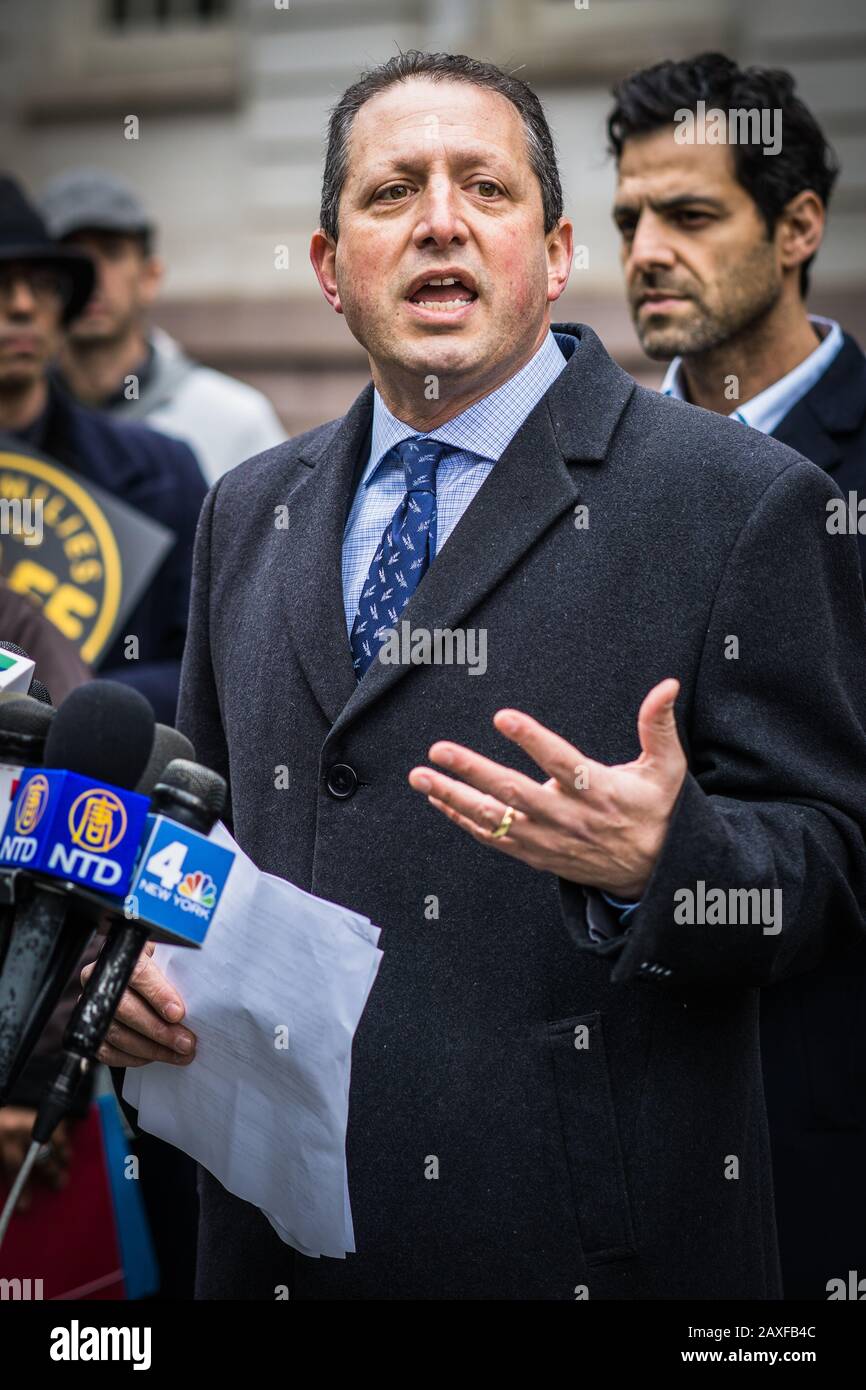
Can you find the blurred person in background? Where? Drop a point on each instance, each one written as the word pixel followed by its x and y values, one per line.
pixel 718 241
pixel 112 360
pixel 43 288
pixel 717 245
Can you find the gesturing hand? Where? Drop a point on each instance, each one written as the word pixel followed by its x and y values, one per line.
pixel 600 826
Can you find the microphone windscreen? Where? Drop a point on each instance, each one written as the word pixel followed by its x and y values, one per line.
pixel 190 793
pixel 167 744
pixel 40 692
pixel 104 731
pixel 25 715
pixel 24 725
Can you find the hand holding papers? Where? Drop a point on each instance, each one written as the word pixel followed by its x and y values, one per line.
pixel 274 997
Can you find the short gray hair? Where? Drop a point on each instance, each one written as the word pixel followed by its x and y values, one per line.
pixel 439 67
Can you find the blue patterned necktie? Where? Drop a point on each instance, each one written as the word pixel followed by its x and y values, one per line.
pixel 403 554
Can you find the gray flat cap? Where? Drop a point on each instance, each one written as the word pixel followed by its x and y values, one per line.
pixel 91 198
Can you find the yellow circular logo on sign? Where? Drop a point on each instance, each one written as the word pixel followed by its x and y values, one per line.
pixel 31 805
pixel 97 820
pixel 57 547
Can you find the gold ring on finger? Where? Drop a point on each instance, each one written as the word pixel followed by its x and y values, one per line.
pixel 504 825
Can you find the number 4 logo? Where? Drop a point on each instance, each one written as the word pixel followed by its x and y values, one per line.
pixel 167 864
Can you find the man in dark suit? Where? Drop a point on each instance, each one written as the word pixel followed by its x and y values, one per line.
pixel 44 286
pixel 543 1106
pixel 717 243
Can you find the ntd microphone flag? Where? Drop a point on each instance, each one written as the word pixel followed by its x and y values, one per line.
pixel 68 826
pixel 178 881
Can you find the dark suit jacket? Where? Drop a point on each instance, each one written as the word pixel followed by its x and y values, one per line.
pixel 828 425
pixel 161 477
pixel 607 1166
pixel 813 1029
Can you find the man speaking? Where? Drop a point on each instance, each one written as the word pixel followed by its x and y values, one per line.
pixel 544 1104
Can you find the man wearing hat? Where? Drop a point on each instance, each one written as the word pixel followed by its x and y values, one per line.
pixel 44 288
pixel 112 360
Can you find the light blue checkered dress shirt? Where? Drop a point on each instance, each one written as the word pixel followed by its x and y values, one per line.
pixel 480 436
pixel 767 410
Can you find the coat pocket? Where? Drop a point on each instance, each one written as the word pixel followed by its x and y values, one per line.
pixel 590 1137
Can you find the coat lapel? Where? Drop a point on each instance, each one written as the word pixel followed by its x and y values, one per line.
pixel 317 515
pixel 834 407
pixel 803 430
pixel 530 486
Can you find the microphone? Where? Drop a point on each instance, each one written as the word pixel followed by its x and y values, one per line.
pixel 24 725
pixel 168 743
pixel 103 730
pixel 23 731
pixel 64 825
pixel 186 801
pixel 187 795
pixel 40 692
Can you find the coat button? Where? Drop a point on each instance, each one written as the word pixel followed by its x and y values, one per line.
pixel 654 968
pixel 342 781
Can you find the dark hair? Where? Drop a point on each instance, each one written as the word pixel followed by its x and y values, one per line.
pixel 650 99
pixel 439 67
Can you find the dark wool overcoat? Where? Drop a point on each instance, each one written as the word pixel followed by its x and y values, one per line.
pixel 595 1109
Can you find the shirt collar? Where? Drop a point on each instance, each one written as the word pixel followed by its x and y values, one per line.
pixel 487 426
pixel 766 410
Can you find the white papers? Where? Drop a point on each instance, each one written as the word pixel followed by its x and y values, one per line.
pixel 274 997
